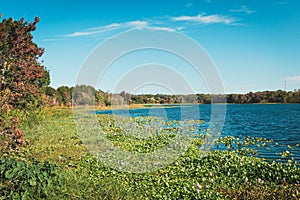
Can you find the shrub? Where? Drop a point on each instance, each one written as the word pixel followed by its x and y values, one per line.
pixel 28 180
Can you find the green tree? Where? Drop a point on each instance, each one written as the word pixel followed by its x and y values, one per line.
pixel 101 98
pixel 64 95
pixel 44 81
pixel 83 95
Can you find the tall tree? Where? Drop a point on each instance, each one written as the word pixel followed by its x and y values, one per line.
pixel 20 70
pixel 20 76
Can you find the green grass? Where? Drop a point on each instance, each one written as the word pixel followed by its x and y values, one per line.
pixel 217 175
pixel 54 138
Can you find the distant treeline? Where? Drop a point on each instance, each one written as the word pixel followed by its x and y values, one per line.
pixel 278 96
pixel 83 95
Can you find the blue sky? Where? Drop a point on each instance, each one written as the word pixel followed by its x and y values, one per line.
pixel 254 44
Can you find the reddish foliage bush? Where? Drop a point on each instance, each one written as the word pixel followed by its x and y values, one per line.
pixel 20 75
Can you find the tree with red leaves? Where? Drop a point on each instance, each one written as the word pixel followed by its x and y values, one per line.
pixel 20 74
pixel 20 69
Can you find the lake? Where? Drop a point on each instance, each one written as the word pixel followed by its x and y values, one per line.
pixel 279 122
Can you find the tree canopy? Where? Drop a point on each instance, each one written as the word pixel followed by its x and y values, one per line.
pixel 23 78
pixel 21 72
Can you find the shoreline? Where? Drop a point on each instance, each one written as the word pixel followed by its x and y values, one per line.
pixel 141 106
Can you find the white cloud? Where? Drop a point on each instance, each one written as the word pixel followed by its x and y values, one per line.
pixel 167 24
pixel 206 19
pixel 92 31
pixel 293 78
pixel 137 24
pixel 77 34
pixel 244 9
pixel 114 25
pixel 162 29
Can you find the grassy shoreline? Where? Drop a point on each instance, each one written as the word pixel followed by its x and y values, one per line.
pixel 218 175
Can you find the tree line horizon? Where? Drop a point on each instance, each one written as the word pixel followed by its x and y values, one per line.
pixel 88 95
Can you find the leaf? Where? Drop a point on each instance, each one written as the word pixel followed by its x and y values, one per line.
pixel 32 182
pixel 11 173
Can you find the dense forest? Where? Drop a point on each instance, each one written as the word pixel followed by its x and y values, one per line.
pixel 63 96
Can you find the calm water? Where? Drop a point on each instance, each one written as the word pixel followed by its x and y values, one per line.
pixel 280 122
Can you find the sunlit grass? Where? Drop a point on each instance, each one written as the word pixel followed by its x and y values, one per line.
pixel 226 174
